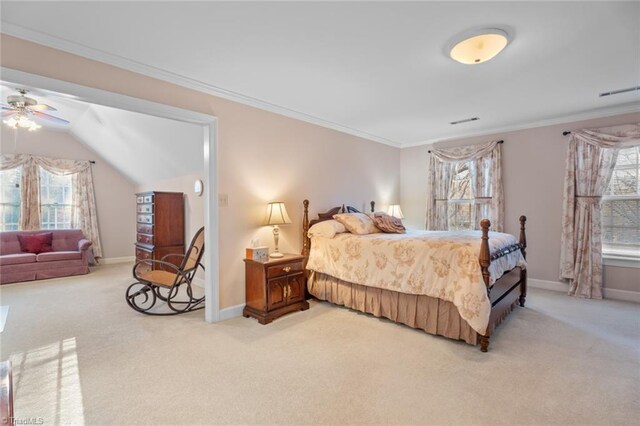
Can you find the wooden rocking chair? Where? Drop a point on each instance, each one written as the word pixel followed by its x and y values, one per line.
pixel 164 285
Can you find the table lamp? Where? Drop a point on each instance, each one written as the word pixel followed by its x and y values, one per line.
pixel 395 211
pixel 277 215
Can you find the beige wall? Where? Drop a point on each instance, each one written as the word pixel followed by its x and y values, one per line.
pixel 262 156
pixel 533 175
pixel 114 192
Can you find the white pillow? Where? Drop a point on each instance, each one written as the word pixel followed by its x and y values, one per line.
pixel 326 228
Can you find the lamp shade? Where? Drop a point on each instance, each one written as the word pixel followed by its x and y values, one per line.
pixel 395 211
pixel 277 214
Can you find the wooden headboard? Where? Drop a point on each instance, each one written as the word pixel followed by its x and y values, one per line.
pixel 328 215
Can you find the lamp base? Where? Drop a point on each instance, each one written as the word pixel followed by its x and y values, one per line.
pixel 276 254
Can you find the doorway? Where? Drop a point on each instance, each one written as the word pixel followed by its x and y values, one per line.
pixel 208 124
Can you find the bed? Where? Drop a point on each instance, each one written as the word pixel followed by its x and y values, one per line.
pixel 460 285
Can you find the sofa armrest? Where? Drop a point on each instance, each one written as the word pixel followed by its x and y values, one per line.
pixel 84 244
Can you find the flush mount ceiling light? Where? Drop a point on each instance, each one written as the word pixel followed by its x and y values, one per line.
pixel 478 46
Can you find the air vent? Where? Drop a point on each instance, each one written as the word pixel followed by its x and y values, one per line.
pixel 617 92
pixel 466 120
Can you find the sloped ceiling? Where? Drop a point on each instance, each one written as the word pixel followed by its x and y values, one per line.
pixel 143 148
pixel 369 68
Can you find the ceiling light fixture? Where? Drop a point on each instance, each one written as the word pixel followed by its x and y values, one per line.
pixel 478 46
pixel 22 121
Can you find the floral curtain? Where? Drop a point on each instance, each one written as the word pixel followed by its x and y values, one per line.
pixel 591 159
pixel 438 183
pixel 485 162
pixel 84 213
pixel 29 188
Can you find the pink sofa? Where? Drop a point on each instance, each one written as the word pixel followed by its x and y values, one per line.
pixel 69 256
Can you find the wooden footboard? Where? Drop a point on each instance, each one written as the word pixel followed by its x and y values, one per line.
pixel 508 290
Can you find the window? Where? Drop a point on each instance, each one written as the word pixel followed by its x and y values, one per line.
pixel 55 201
pixel 621 207
pixel 10 199
pixel 460 199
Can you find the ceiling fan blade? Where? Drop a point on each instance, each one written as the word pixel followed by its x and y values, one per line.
pixel 8 113
pixel 49 117
pixel 42 107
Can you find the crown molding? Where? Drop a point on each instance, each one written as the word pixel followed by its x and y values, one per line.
pixel 177 79
pixel 626 108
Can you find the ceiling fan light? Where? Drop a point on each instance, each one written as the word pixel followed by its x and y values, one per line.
pixel 479 46
pixel 22 121
pixel 11 122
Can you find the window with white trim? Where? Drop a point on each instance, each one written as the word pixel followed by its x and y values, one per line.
pixel 621 207
pixel 460 200
pixel 55 200
pixel 10 199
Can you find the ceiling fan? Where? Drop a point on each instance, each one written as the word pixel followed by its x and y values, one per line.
pixel 19 109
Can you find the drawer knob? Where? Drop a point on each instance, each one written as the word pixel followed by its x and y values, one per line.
pixel 287 268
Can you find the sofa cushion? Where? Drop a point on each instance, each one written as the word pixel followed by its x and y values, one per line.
pixel 59 255
pixel 13 259
pixel 36 243
pixel 66 239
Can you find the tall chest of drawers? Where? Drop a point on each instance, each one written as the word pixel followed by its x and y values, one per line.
pixel 159 227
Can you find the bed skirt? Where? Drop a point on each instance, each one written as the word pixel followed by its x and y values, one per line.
pixel 433 315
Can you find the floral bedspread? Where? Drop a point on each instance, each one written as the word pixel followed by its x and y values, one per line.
pixel 434 263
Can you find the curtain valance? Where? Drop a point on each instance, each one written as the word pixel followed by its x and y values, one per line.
pixel 616 137
pixel 464 153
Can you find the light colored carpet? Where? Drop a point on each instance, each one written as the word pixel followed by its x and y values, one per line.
pixel 81 355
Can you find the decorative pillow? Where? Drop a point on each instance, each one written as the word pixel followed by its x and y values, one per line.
pixel 357 223
pixel 388 224
pixel 35 243
pixel 326 228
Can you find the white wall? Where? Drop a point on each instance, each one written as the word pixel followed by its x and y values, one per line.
pixel 533 175
pixel 115 201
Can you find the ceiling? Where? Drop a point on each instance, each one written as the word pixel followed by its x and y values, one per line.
pixel 134 144
pixel 375 69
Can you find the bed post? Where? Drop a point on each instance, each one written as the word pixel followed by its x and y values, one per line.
pixel 523 272
pixel 485 254
pixel 305 228
pixel 373 206
pixel 485 261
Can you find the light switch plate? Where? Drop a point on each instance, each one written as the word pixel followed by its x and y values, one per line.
pixel 223 200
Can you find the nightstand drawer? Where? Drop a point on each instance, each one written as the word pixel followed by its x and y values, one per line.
pixel 284 269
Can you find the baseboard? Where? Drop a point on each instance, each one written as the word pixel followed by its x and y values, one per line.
pixel 608 293
pixel 626 295
pixel 112 260
pixel 231 312
pixel 226 313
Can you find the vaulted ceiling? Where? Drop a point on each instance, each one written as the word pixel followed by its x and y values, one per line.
pixel 377 69
pixel 142 147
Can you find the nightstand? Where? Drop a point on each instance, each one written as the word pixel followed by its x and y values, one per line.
pixel 274 287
